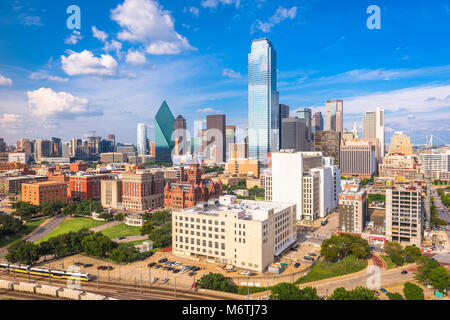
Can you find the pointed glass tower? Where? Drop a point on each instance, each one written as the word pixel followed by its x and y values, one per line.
pixel 164 144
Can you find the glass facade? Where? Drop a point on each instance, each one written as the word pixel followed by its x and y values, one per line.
pixel 142 139
pixel 305 113
pixel 164 144
pixel 263 104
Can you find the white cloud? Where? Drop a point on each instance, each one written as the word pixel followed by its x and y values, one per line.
pixel 147 22
pixel 231 74
pixel 194 10
pixel 136 58
pixel 5 81
pixel 44 76
pixel 46 102
pixel 10 118
pixel 280 15
pixel 215 3
pixel 73 38
pixel 207 110
pixel 86 63
pixel 100 35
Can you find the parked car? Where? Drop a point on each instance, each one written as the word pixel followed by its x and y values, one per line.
pixel 245 272
pixel 78 264
pixel 87 265
pixel 404 272
pixel 169 269
pixel 184 271
pixel 154 279
pixel 175 271
pixel 377 293
pixel 122 238
pixel 151 265
pixel 196 269
pixel 109 268
pixel 312 254
pixel 191 274
pixel 157 266
pixel 297 265
pixel 165 280
pixel 163 260
pixel 384 290
pixel 102 268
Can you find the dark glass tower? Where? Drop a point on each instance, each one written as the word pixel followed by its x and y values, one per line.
pixel 164 144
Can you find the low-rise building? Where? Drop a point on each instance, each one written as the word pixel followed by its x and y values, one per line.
pixel 111 193
pixel 247 235
pixel 13 185
pixel 38 193
pixel 85 186
pixel 353 209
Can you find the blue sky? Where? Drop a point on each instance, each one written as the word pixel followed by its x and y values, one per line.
pixel 130 55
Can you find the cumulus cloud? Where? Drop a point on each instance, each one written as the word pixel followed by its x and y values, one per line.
pixel 231 74
pixel 194 10
pixel 85 63
pixel 206 110
pixel 44 76
pixel 100 35
pixel 48 103
pixel 5 81
pixel 145 21
pixel 280 15
pixel 73 38
pixel 10 118
pixel 136 58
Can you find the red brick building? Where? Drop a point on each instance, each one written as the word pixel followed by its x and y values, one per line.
pixel 186 194
pixel 143 190
pixel 79 166
pixel 85 186
pixel 44 192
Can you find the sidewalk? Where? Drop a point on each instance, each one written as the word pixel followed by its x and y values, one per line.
pixel 105 226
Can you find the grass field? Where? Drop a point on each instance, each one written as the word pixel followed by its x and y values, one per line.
pixel 74 225
pixel 325 270
pixel 121 230
pixel 389 263
pixel 29 228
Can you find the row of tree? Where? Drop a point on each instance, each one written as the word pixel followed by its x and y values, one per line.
pixel 10 226
pixel 340 246
pixel 158 226
pixel 445 197
pixel 83 208
pixel 400 255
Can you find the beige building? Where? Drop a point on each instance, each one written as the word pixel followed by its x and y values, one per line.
pixel 143 190
pixel 246 234
pixel 243 167
pixel 405 215
pixel 266 183
pixel 335 116
pixel 311 195
pixel 358 159
pixel 400 167
pixel 401 143
pixel 111 193
pixel 238 150
pixel 113 157
pixel 353 209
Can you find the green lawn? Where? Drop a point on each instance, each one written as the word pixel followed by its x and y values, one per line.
pixel 389 263
pixel 29 228
pixel 325 270
pixel 74 225
pixel 121 230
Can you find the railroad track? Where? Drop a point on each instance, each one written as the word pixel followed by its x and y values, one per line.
pixel 25 295
pixel 124 290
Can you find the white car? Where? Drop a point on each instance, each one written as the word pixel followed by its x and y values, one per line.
pixel 165 280
pixel 176 264
pixel 245 272
pixel 154 279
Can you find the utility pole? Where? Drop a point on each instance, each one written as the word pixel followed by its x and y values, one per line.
pixel 49 272
pixel 141 284
pixel 175 288
pixel 267 291
pixel 97 279
pixel 109 279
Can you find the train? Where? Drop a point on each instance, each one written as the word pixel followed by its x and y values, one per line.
pixel 55 274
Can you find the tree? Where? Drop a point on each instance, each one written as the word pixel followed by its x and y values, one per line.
pixel 394 296
pixel 126 253
pixel 25 210
pixel 22 252
pixel 413 292
pixel 412 253
pixel 309 293
pixel 119 217
pixel 359 293
pixel 147 228
pixel 98 245
pixel 106 216
pixel 285 291
pixel 10 225
pixel 158 218
pixel 340 246
pixel 162 237
pixel 440 278
pixel 215 281
pixel 70 209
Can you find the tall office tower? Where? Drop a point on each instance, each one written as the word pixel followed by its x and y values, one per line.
pixel 401 143
pixel 2 145
pixel 305 113
pixel 353 209
pixel 284 114
pixel 238 151
pixel 112 137
pixel 335 116
pixel 230 139
pixel 317 122
pixel 180 136
pixel 164 121
pixel 294 134
pixel 65 149
pixel 42 149
pixel 142 139
pixel 56 148
pixel 329 143
pixel 25 146
pixel 373 126
pixel 216 135
pixel 405 215
pixel 263 101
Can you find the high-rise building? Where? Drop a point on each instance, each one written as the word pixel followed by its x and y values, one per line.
pixel 405 215
pixel 358 159
pixel 373 127
pixel 230 139
pixel 329 143
pixel 401 144
pixel 305 113
pixel 238 150
pixel 216 137
pixel 142 139
pixel 353 209
pixel 25 146
pixel 180 136
pixel 66 149
pixel 294 134
pixel 435 163
pixel 335 116
pixel 284 114
pixel 111 193
pixel 263 100
pixel 143 190
pixel 317 122
pixel 164 121
pixel 42 149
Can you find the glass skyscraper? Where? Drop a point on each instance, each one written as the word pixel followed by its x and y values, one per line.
pixel 164 144
pixel 305 113
pixel 263 101
pixel 142 139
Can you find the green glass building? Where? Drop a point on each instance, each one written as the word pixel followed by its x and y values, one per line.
pixel 164 144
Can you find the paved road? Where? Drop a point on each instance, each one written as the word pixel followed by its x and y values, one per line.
pixel 105 226
pixel 131 239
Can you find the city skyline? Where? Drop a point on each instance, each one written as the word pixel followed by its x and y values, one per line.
pixel 53 92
